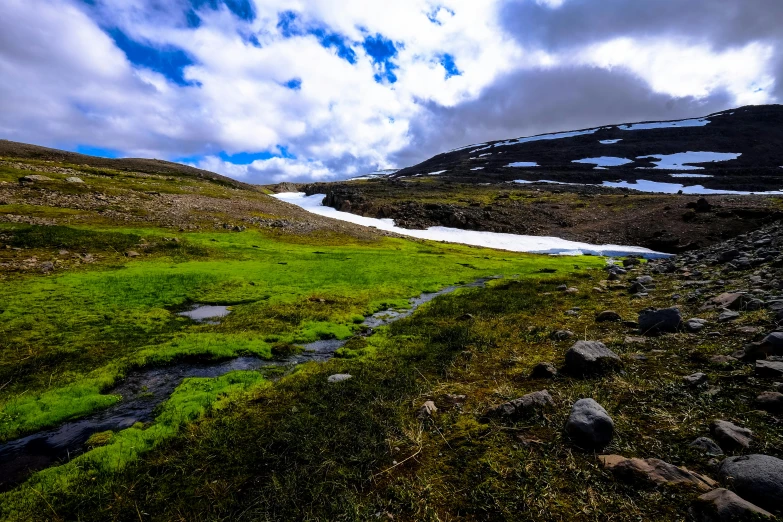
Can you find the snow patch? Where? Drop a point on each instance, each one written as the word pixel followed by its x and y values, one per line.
pixel 605 161
pixel 691 175
pixel 477 168
pixel 541 137
pixel 512 242
pixel 665 124
pixel 681 160
pixel 644 185
pixel 523 164
pixel 610 142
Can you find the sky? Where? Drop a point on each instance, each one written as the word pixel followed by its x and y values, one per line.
pixel 266 91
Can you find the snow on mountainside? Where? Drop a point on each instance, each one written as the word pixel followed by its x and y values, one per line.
pixel 738 149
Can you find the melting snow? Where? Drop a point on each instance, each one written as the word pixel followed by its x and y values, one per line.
pixel 605 161
pixel 610 142
pixel 477 168
pixel 487 154
pixel 555 136
pixel 691 175
pixel 665 124
pixel 644 185
pixel 512 242
pixel 523 164
pixel 437 172
pixel 680 160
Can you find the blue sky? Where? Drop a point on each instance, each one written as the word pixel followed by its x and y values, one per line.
pixel 276 90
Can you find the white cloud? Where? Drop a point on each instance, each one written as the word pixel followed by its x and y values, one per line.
pixel 79 88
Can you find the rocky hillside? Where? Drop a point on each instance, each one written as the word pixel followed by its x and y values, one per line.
pixel 744 146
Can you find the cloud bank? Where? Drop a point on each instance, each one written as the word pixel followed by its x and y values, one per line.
pixel 273 90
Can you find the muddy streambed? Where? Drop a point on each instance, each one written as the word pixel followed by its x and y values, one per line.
pixel 142 391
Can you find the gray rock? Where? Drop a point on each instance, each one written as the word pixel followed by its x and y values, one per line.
pixel 771 401
pixel 694 325
pixel 722 505
pixel 608 316
pixel 631 261
pixel 659 321
pixel 770 345
pixel 637 288
pixel 707 446
pixel 695 379
pixel 339 377
pixel 590 357
pixel 730 437
pixel 756 478
pixel 543 370
pixel 645 280
pixel 32 178
pixel 524 406
pixel 74 179
pixel 656 471
pixel 728 315
pixel 772 369
pixel 589 425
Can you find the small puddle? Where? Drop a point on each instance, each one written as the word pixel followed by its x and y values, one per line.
pixel 144 390
pixel 206 313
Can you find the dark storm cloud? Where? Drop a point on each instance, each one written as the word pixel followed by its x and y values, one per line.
pixel 538 101
pixel 559 99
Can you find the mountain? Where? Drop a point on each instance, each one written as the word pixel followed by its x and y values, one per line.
pixel 739 149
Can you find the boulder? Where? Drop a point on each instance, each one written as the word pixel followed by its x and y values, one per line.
pixel 756 478
pixel 770 401
pixel 770 345
pixel 655 471
pixel 721 505
pixel 74 179
pixel 732 300
pixel 659 321
pixel 524 406
pixel 590 357
pixel 608 316
pixel 589 426
pixel 730 437
pixel 707 446
pixel 543 370
pixel 339 377
pixel 772 369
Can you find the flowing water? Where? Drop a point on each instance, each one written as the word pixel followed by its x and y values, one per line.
pixel 142 391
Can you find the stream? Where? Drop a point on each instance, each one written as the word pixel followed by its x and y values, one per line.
pixel 143 390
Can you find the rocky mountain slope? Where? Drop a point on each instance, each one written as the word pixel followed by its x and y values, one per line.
pixel 744 146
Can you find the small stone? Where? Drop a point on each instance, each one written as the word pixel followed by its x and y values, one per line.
pixel 451 400
pixel 32 178
pixel 770 401
pixel 562 288
pixel 543 370
pixel 652 322
pixel 572 290
pixel 707 446
pixel 656 471
pixel 562 335
pixel 722 505
pixel 631 261
pixel 730 437
pixel 74 179
pixel 524 406
pixel 63 252
pixel 608 316
pixel 590 357
pixel 427 410
pixel 131 253
pixel 589 425
pixel 722 359
pixel 728 315
pixel 695 379
pixel 756 478
pixel 694 325
pixel 339 377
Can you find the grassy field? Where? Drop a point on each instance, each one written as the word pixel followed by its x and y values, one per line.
pixel 304 449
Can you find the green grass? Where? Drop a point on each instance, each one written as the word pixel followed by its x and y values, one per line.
pixel 304 449
pixel 69 336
